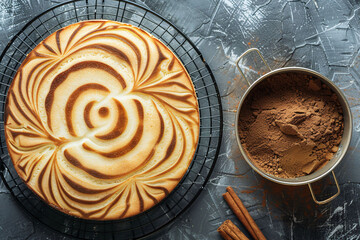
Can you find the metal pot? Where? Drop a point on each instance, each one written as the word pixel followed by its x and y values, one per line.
pixel 317 175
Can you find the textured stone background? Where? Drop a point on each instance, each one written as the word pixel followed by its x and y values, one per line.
pixel 322 35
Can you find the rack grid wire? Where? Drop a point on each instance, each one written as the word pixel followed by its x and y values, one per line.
pixel 209 101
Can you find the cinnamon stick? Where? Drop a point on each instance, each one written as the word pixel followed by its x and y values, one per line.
pixel 232 204
pixel 242 214
pixel 229 231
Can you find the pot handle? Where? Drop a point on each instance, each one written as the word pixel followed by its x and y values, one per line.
pixel 246 53
pixel 330 198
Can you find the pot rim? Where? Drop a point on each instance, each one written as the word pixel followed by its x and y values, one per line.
pixel 345 142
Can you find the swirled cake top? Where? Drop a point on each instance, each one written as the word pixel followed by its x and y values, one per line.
pixel 102 120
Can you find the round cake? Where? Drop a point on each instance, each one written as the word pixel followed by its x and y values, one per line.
pixel 101 120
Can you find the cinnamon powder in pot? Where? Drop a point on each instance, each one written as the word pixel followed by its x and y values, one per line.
pixel 291 124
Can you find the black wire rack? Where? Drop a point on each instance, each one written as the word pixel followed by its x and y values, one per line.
pixel 196 177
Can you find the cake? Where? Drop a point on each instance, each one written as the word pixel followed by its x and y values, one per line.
pixel 101 120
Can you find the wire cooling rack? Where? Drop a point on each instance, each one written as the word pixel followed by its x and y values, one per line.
pixel 209 101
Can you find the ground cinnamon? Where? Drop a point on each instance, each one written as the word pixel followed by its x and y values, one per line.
pixel 242 214
pixel 291 124
pixel 229 231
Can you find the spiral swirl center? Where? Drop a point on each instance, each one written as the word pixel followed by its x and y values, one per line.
pixel 103 112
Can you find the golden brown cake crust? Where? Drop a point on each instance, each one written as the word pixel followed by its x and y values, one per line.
pixel 101 120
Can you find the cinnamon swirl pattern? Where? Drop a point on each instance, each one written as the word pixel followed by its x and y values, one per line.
pixel 101 120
